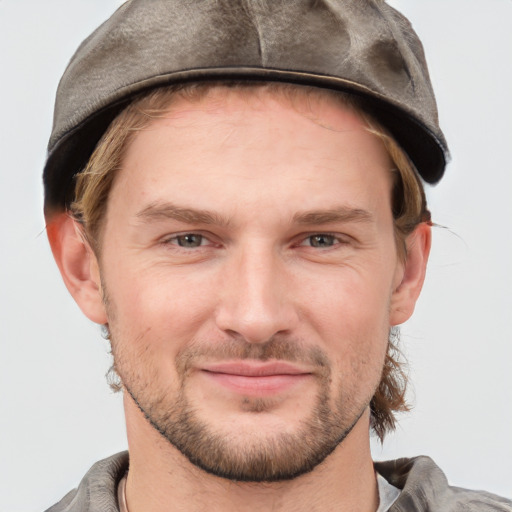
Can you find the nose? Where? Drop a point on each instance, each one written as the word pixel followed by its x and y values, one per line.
pixel 255 299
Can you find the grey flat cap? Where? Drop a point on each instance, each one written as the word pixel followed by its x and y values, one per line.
pixel 360 46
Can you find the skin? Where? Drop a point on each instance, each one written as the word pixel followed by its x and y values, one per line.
pixel 297 251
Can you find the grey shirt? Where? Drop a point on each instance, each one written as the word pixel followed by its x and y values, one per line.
pixel 423 485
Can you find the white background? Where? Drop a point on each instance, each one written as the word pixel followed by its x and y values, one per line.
pixel 57 415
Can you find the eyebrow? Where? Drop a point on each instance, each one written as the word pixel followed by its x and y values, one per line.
pixel 341 214
pixel 162 211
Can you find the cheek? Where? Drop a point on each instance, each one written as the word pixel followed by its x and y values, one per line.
pixel 353 302
pixel 152 315
pixel 166 295
pixel 352 317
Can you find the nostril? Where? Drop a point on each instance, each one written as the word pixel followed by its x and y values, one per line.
pixel 256 325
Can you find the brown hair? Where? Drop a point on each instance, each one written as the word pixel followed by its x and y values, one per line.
pixel 409 206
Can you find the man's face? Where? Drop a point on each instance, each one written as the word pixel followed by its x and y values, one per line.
pixel 248 263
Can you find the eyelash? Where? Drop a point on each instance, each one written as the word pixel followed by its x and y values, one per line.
pixel 334 239
pixel 174 240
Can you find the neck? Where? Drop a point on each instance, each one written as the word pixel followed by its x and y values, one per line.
pixel 161 479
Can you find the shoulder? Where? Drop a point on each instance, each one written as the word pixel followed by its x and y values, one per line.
pixel 97 490
pixel 424 487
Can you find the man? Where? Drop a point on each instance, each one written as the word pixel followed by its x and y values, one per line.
pixel 230 191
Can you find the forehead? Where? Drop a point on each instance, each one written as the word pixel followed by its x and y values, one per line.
pixel 330 109
pixel 288 145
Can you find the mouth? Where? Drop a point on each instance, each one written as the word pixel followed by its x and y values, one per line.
pixel 256 378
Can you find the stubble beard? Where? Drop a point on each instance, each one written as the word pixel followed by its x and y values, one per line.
pixel 266 457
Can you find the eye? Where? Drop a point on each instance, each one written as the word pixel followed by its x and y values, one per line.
pixel 189 240
pixel 321 240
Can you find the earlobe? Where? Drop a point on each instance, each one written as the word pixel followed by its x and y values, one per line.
pixel 405 295
pixel 78 265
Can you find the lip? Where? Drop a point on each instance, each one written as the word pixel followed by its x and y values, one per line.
pixel 255 368
pixel 255 378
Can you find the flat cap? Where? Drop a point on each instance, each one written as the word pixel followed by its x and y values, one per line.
pixel 364 47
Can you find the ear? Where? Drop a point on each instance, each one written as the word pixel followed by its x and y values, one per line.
pixel 78 265
pixel 411 275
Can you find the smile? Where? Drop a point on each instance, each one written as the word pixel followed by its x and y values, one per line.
pixel 255 379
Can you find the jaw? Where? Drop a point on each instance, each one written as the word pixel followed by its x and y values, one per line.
pixel 345 476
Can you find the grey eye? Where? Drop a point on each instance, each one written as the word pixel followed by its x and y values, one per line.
pixel 189 240
pixel 321 240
